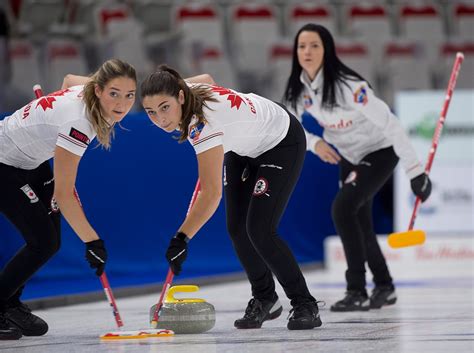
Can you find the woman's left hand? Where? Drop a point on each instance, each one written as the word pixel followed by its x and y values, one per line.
pixel 327 154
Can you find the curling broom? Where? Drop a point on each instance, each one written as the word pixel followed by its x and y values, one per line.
pixel 416 236
pixel 170 275
pixel 153 332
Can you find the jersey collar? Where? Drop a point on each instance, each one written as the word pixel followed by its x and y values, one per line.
pixel 316 83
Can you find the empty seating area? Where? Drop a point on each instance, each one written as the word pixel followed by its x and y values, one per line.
pixel 395 44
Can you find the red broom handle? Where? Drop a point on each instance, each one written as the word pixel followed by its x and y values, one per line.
pixel 38 91
pixel 170 275
pixel 439 127
pixel 110 297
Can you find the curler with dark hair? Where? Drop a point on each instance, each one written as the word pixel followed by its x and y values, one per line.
pixel 168 81
pixel 333 69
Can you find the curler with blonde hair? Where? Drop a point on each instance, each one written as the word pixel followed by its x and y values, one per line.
pixel 109 70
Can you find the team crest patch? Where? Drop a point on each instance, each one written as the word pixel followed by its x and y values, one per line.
pixel 307 101
pixel 351 177
pixel 79 136
pixel 261 187
pixel 30 193
pixel 54 205
pixel 195 130
pixel 360 96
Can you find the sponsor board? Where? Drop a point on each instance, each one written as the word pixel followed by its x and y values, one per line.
pixel 451 256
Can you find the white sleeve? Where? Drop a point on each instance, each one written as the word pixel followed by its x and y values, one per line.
pixel 362 98
pixel 75 136
pixel 204 136
pixel 311 139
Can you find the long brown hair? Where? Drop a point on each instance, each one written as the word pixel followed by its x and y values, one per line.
pixel 168 81
pixel 109 70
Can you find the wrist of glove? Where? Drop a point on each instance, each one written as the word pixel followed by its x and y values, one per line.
pixel 421 186
pixel 96 255
pixel 177 252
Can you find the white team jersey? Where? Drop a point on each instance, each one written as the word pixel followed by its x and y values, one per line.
pixel 359 124
pixel 29 136
pixel 246 124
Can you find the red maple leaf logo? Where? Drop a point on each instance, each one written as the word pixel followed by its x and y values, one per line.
pixel 47 102
pixel 235 99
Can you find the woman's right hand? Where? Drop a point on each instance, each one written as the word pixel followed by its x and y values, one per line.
pixel 96 255
pixel 326 152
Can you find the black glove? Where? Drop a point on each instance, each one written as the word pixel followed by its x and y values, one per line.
pixel 177 252
pixel 421 186
pixel 96 255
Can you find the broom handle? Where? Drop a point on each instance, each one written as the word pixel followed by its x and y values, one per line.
pixel 103 278
pixel 38 91
pixel 170 275
pixel 110 297
pixel 439 128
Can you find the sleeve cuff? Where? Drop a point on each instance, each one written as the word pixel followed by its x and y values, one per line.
pixel 311 142
pixel 415 171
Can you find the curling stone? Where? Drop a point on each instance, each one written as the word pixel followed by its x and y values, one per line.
pixel 187 315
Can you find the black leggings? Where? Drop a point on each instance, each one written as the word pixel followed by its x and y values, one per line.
pixel 257 191
pixel 352 216
pixel 26 200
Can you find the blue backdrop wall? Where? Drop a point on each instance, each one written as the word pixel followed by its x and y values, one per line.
pixel 136 196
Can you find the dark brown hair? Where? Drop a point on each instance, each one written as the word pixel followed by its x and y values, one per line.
pixel 168 81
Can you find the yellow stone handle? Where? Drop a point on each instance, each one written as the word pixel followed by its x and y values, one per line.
pixel 184 288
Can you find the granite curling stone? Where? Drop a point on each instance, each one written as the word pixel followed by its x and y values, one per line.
pixel 186 315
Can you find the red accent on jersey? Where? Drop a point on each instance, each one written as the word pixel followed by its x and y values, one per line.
pixel 26 111
pixel 235 100
pixel 79 136
pixel 59 93
pixel 47 102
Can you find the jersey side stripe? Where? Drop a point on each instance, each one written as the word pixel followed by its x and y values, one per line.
pixel 72 140
pixel 208 138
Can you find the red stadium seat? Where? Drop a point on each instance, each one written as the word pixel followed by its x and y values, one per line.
pixel 301 14
pixel 254 29
pixel 464 20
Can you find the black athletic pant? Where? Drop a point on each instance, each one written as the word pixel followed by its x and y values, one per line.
pixel 352 216
pixel 257 191
pixel 26 200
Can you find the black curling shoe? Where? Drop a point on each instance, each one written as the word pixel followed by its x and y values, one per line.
pixel 257 312
pixel 29 324
pixel 7 330
pixel 304 316
pixel 381 296
pixel 353 301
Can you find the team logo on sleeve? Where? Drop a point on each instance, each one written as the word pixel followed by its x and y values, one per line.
pixel 307 101
pixel 79 136
pixel 360 96
pixel 195 131
pixel 261 187
pixel 30 193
